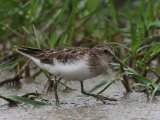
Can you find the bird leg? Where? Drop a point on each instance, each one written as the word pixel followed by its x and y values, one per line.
pixel 55 91
pixel 100 97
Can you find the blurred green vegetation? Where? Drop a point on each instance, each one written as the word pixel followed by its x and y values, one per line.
pixel 132 27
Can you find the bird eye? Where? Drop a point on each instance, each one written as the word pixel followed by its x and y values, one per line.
pixel 105 51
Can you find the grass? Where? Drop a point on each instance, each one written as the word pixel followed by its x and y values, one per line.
pixel 131 27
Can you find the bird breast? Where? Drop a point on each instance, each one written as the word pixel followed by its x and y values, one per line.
pixel 77 70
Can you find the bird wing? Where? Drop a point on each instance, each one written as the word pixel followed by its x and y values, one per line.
pixel 47 55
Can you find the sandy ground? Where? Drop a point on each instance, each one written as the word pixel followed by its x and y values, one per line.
pixel 74 106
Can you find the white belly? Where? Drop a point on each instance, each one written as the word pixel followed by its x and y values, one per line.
pixel 71 71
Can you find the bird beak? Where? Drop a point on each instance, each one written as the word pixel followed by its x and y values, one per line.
pixel 116 59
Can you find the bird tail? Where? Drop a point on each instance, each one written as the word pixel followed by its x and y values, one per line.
pixel 27 51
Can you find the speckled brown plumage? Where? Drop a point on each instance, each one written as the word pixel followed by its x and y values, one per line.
pixel 61 54
pixel 72 63
pixel 71 54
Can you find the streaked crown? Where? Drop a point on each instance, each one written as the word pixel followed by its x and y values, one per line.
pixel 105 48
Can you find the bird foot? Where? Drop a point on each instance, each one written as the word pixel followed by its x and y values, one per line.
pixel 103 98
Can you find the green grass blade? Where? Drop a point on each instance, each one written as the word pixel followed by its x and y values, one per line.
pixel 142 79
pixel 53 39
pixel 10 65
pixel 153 93
pixel 98 86
pixel 102 84
pixel 25 100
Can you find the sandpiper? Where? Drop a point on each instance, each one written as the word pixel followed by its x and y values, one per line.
pixel 72 63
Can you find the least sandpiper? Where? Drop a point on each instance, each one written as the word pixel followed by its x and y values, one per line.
pixel 72 63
